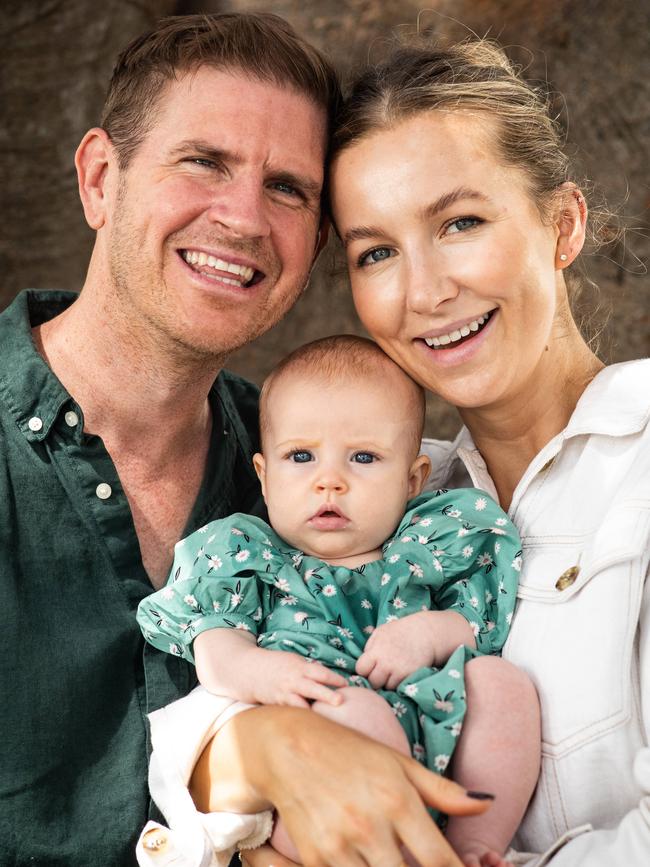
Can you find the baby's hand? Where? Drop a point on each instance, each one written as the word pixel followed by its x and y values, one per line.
pixel 280 677
pixel 398 648
pixel 487 859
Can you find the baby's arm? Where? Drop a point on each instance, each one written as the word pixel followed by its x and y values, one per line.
pixel 399 647
pixel 229 663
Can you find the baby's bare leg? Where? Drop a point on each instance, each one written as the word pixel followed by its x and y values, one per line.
pixel 498 752
pixel 366 712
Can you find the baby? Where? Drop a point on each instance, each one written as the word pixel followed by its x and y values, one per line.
pixel 375 605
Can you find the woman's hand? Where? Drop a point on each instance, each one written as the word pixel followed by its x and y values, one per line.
pixel 346 800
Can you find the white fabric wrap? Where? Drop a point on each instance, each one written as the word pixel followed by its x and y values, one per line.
pixel 179 734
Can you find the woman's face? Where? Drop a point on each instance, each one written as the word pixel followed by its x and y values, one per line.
pixel 453 270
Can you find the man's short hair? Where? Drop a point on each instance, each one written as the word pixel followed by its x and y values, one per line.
pixel 345 358
pixel 261 45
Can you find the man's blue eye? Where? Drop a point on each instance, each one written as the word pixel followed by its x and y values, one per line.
pixel 301 457
pixel 363 458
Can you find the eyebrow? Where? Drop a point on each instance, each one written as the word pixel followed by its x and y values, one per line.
pixel 362 233
pixel 311 188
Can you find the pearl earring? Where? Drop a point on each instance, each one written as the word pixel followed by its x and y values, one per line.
pixel 563 257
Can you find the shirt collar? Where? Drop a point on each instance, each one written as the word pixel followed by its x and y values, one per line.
pixel 28 386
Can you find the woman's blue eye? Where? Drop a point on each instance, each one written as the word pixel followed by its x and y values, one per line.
pixel 379 254
pixel 363 458
pixel 462 224
pixel 301 457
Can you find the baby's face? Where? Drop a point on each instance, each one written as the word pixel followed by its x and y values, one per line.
pixel 338 466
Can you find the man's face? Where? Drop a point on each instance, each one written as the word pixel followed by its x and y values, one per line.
pixel 213 228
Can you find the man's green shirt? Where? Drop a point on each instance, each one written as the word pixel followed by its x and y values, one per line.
pixel 77 678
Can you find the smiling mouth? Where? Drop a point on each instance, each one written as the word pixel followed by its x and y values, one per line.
pixel 460 335
pixel 214 268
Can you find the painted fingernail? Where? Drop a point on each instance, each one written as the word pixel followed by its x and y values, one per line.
pixel 480 796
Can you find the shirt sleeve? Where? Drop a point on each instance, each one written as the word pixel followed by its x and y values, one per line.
pixel 473 559
pixel 214 583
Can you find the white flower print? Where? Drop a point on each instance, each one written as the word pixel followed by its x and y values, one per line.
pixel 467 551
pixel 399 709
pixel 216 605
pixel 497 531
pixel 497 547
pixel 266 554
pixel 366 603
pixel 516 563
pixel 235 600
pixel 175 650
pixel 454 513
pixel 329 590
pixel 368 629
pixel 475 628
pixel 490 625
pixel 398 603
pixel 425 522
pixel 242 556
pixel 300 616
pixel 416 570
pixel 243 626
pixel 488 597
pixel 440 762
pixel 393 558
pixel 422 540
pixel 190 600
pixel 509 618
pixel 390 618
pixel 473 602
pixel 456 729
pixel 463 532
pixel 211 538
pixel 406 539
pixel 453 673
pixel 339 662
pixel 356 679
pixel 501 522
pixel 437 565
pixel 288 600
pixel 480 504
pixel 344 631
pixel 282 584
pixel 411 690
pixel 385 578
pixel 258 615
pixel 168 593
pixel 215 562
pixel 296 559
pixel 444 705
pixel 236 532
pixel 484 559
pixel 418 752
pixel 308 574
pixel 288 643
pixel 336 642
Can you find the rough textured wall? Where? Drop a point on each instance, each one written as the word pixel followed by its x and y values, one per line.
pixel 57 57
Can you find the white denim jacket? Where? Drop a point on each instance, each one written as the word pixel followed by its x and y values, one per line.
pixel 581 631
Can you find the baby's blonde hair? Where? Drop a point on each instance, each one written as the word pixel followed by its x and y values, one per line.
pixel 345 358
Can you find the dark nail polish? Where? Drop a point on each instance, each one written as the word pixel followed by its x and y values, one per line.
pixel 480 796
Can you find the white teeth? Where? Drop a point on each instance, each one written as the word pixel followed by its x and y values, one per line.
pixel 453 336
pixel 193 257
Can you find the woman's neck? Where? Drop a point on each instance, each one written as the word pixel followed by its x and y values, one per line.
pixel 510 433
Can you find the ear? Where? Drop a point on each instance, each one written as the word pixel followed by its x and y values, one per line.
pixel 94 159
pixel 418 475
pixel 260 468
pixel 571 225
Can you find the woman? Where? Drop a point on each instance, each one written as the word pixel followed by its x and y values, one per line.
pixel 460 219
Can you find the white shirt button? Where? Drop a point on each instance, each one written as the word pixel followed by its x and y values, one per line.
pixel 103 491
pixel 35 423
pixel 71 419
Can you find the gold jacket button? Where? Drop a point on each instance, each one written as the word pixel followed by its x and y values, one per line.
pixel 154 840
pixel 567 578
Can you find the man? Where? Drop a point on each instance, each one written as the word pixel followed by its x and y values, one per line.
pixel 120 433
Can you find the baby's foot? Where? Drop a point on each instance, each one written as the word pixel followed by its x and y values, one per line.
pixel 487 859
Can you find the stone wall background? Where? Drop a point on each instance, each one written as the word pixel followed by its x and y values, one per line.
pixel 58 55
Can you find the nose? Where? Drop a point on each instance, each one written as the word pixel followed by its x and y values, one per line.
pixel 429 284
pixel 330 481
pixel 239 206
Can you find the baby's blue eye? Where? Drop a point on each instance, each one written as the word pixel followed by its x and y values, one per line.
pixel 379 254
pixel 363 458
pixel 301 457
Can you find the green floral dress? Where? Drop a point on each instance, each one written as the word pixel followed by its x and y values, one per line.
pixel 453 550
